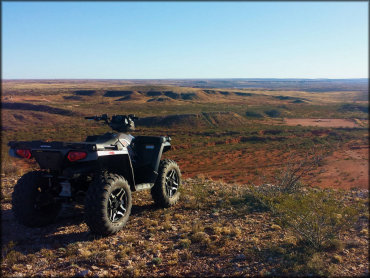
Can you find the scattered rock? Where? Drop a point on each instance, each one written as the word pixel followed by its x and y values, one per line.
pixel 275 227
pixel 364 232
pixel 215 214
pixel 239 257
pixel 337 259
pixel 83 273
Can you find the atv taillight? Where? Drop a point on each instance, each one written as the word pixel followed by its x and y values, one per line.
pixel 74 156
pixel 24 153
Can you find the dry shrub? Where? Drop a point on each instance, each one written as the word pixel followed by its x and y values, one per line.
pixel 287 180
pixel 297 166
pixel 314 216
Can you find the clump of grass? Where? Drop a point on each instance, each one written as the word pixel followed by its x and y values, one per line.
pixel 14 257
pixel 197 227
pixel 48 254
pixel 7 248
pixel 200 237
pixel 186 255
pixel 124 251
pixel 101 258
pixel 71 250
pixel 184 243
pixel 200 193
pixel 9 167
pixel 317 266
pixel 157 261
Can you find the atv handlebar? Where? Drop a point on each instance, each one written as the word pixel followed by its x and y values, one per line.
pixel 119 123
pixel 103 117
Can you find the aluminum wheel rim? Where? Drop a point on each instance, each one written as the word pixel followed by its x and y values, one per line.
pixel 172 183
pixel 117 205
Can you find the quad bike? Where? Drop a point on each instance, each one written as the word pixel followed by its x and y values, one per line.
pixel 103 170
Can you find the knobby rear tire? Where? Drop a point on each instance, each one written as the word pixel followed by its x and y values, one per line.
pixel 32 203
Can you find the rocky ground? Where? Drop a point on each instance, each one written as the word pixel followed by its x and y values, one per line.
pixel 212 231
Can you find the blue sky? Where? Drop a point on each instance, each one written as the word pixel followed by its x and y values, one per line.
pixel 123 40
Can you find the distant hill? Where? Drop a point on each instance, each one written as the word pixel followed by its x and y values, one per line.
pixel 211 119
pixel 309 85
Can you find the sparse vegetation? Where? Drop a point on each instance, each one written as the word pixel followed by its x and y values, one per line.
pixel 286 227
pixel 315 217
pixel 253 114
pixel 273 113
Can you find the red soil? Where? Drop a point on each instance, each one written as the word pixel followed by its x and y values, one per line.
pixel 322 122
pixel 345 168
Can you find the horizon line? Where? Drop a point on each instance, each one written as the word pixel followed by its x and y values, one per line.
pixel 189 78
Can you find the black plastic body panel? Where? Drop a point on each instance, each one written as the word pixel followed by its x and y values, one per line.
pixel 48 159
pixel 148 152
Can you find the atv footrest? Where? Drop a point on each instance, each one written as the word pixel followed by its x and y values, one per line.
pixel 143 186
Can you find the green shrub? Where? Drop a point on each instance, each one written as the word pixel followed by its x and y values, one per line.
pixel 253 114
pixel 315 217
pixel 157 261
pixel 353 107
pixel 256 201
pixel 273 113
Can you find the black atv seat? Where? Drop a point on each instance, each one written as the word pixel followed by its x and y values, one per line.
pixel 149 139
pixel 107 138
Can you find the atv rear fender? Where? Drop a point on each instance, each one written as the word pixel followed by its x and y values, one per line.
pixel 53 156
pixel 118 162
